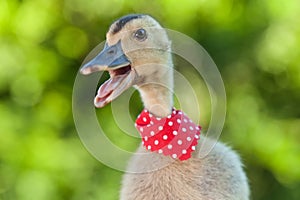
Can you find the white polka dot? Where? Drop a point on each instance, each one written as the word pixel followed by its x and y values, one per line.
pixel 191 128
pixel 144 119
pixel 179 142
pixel 184 151
pixel 193 148
pixel 165 137
pixel 151 123
pixel 156 142
pixel 178 121
pixel 174 112
pixel 170 146
pixel 158 118
pixel 190 120
pixel 148 125
pixel 188 138
pixel 160 128
pixel 141 129
pixel 175 132
pixel 180 113
pixel 150 115
pixel 174 155
pixel 146 111
pixel 135 125
pixel 149 147
pixel 170 123
pixel 197 128
pixel 160 151
pixel 152 133
pixel 146 138
pixel 143 142
pixel 185 120
pixel 169 116
pixel 197 136
pixel 184 129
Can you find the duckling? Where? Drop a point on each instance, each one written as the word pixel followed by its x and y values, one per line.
pixel 137 53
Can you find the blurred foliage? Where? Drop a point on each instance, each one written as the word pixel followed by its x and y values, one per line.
pixel 254 43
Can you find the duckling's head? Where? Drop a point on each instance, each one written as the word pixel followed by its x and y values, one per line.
pixel 136 53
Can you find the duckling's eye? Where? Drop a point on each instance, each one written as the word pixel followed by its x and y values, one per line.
pixel 140 34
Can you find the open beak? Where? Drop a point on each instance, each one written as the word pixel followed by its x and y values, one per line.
pixel 110 58
pixel 113 60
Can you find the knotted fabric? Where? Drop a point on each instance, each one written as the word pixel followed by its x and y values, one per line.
pixel 175 135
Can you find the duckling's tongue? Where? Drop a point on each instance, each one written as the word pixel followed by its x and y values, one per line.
pixel 112 88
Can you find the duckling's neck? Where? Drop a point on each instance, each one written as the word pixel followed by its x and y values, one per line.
pixel 157 99
pixel 157 92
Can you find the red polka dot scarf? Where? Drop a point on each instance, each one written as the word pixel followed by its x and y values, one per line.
pixel 175 135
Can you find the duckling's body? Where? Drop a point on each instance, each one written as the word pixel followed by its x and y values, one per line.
pixel 218 176
pixel 138 54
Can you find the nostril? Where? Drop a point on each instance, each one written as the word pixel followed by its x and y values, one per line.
pixel 111 51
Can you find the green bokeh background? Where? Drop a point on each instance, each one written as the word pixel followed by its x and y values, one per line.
pixel 255 44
